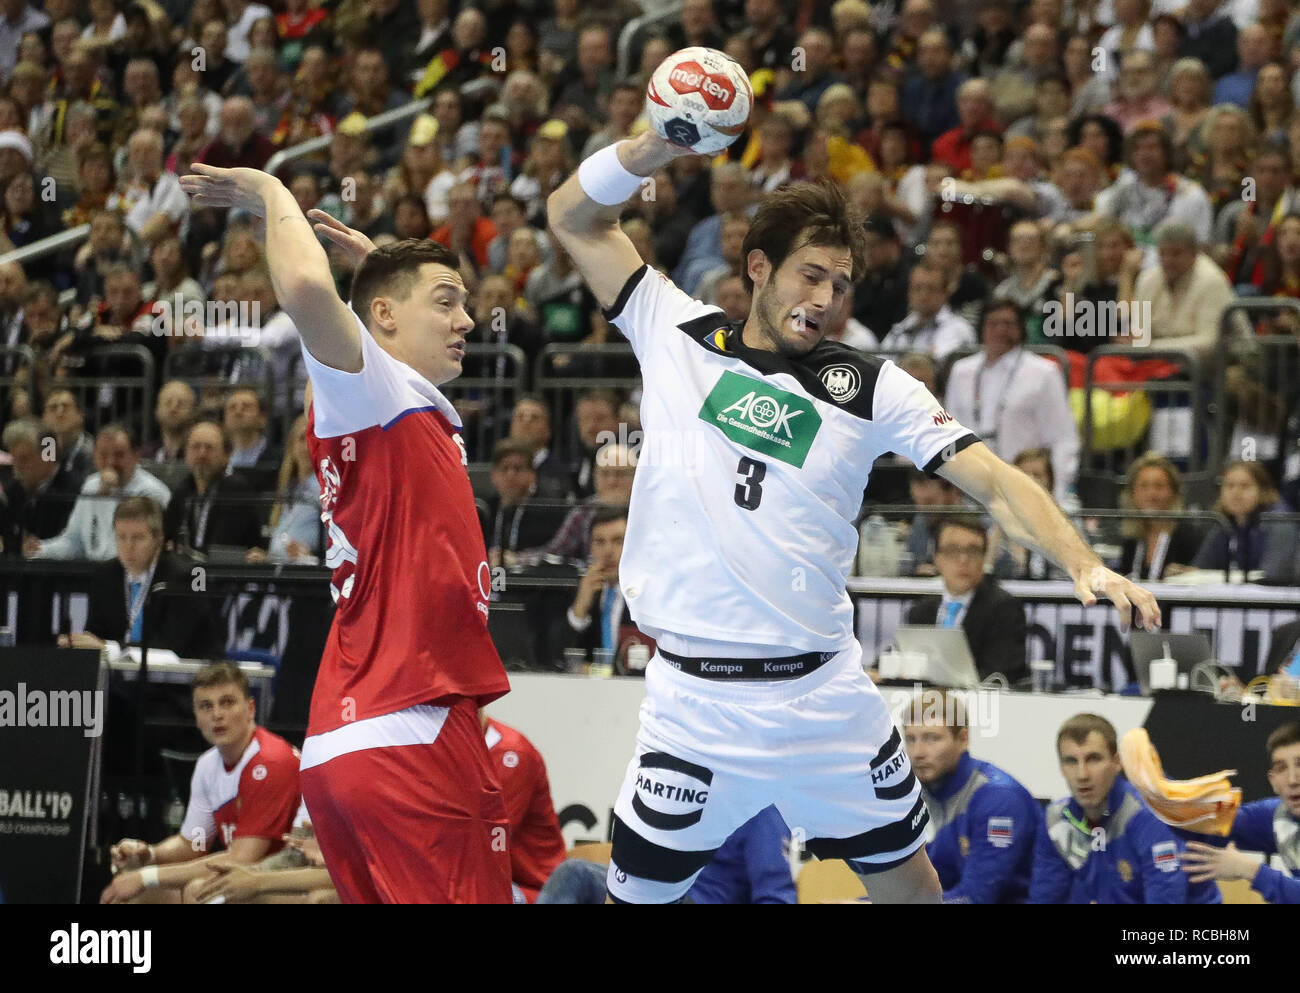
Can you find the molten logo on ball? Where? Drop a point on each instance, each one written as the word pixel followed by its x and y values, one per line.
pixel 716 88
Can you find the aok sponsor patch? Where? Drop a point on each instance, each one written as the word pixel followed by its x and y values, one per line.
pixel 773 422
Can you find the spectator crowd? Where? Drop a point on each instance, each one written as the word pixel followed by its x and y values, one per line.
pixel 1064 198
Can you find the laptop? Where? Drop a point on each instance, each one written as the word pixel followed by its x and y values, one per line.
pixel 949 661
pixel 1188 650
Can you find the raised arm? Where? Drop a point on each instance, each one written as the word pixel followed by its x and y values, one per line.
pixel 1027 514
pixel 300 270
pixel 585 221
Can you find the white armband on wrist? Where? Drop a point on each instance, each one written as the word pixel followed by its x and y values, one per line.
pixel 604 178
pixel 149 877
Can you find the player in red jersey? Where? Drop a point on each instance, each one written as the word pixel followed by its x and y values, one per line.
pixel 243 795
pixel 536 844
pixel 395 771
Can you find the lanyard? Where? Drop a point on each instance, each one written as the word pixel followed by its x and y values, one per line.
pixel 133 607
pixel 514 529
pixel 1002 397
pixel 1157 558
pixel 201 524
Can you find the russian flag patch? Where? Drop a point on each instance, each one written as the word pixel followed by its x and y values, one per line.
pixel 1000 832
pixel 1165 855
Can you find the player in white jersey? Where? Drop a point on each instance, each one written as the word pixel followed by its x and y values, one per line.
pixel 759 438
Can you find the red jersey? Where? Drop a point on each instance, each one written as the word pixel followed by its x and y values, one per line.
pixel 411 578
pixel 536 845
pixel 257 797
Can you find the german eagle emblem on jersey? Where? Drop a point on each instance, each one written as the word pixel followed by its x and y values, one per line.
pixel 842 382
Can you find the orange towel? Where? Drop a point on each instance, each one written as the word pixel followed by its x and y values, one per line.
pixel 1207 804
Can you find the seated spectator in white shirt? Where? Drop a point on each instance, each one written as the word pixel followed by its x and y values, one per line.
pixel 1186 292
pixel 89 534
pixel 1014 399
pixel 151 198
pixel 930 326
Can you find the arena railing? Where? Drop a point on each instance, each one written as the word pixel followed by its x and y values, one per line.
pixel 17 371
pixel 485 402
pixel 70 238
pixel 214 371
pixel 662 12
pixel 126 399
pixel 564 370
pixel 1256 404
pixel 1102 528
pixel 377 123
pixel 1053 352
pixel 1172 417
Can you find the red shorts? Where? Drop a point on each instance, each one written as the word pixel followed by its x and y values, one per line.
pixel 419 823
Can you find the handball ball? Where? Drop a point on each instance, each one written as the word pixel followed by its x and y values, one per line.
pixel 700 99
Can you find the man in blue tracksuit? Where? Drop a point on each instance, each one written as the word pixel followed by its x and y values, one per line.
pixel 1102 844
pixel 752 866
pixel 985 822
pixel 1269 826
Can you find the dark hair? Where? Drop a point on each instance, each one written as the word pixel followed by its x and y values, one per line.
pixel 76 400
pixel 140 508
pixel 393 270
pixel 1003 303
pixel 1150 129
pixel 507 447
pixel 964 523
pixel 1283 735
pixel 1043 455
pixel 801 214
pixel 599 396
pixel 1114 136
pixel 535 398
pixel 627 84
pixel 257 395
pixel 226 444
pixel 222 674
pixel 1078 727
pixel 607 514
pixel 510 198
pixel 117 427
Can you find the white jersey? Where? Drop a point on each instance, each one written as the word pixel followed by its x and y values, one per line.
pixel 752 470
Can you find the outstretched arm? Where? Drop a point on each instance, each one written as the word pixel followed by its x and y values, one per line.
pixel 590 232
pixel 1028 515
pixel 300 270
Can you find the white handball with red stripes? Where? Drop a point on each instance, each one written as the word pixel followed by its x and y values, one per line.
pixel 699 98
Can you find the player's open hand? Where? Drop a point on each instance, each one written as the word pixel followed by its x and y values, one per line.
pixel 309 847
pixel 353 242
pixel 1204 862
pixel 233 883
pixel 126 886
pixel 1123 593
pixel 240 189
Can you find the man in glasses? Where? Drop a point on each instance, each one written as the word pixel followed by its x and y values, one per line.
pixel 992 619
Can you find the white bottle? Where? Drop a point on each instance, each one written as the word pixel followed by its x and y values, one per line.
pixel 1164 671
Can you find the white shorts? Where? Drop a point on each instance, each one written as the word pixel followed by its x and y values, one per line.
pixel 711 754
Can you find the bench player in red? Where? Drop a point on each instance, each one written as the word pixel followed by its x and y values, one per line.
pixel 395 771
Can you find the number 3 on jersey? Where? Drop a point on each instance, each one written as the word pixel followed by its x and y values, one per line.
pixel 749 494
